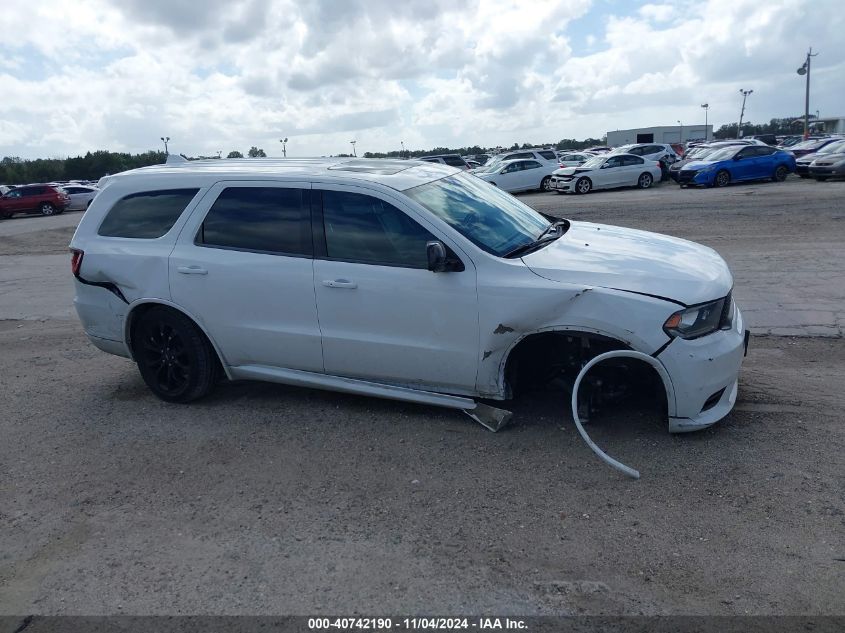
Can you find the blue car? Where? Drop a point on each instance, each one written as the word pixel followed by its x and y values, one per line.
pixel 736 164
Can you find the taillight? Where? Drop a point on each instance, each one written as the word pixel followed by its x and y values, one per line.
pixel 76 256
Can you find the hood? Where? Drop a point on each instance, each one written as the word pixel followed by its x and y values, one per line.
pixel 829 158
pixel 635 261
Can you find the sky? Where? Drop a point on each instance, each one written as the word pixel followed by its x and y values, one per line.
pixel 223 75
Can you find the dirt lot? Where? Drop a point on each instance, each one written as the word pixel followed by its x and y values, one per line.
pixel 268 499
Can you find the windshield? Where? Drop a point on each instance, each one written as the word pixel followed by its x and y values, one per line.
pixel 488 217
pixel 724 153
pixel 594 162
pixel 834 148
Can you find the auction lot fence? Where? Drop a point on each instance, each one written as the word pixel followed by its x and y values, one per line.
pixel 561 624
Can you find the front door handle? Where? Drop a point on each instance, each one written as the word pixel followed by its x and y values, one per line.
pixel 339 283
pixel 191 270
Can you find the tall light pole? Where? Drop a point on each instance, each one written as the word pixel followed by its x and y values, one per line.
pixel 165 139
pixel 680 132
pixel 805 70
pixel 706 107
pixel 353 147
pixel 745 94
pixel 402 143
pixel 284 142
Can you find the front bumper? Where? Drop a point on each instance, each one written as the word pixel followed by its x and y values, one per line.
pixel 828 170
pixel 559 184
pixel 705 376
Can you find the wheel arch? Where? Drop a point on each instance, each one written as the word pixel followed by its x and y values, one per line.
pixel 528 338
pixel 141 306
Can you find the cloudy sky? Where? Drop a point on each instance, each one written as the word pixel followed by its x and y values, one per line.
pixel 228 74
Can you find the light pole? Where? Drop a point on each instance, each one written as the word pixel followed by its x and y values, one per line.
pixel 353 148
pixel 745 94
pixel 165 139
pixel 284 142
pixel 219 152
pixel 706 107
pixel 402 143
pixel 805 70
pixel 680 132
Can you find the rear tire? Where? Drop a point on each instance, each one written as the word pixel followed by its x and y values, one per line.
pixel 781 172
pixel 46 208
pixel 722 179
pixel 645 180
pixel 175 359
pixel 583 185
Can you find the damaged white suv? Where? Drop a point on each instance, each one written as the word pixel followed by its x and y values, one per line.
pixel 397 279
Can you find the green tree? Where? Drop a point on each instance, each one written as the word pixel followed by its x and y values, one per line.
pixel 255 152
pixel 234 154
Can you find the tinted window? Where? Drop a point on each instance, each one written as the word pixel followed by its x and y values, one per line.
pixel 361 228
pixel 454 161
pixel 265 219
pixel 765 151
pixel 548 155
pixel 431 160
pixel 631 160
pixel 513 167
pixel 637 150
pixel 615 161
pixel 520 155
pixel 146 215
pixel 531 164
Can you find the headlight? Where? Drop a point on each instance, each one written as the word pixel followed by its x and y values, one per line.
pixel 701 320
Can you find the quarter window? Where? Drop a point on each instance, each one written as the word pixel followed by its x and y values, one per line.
pixel 454 161
pixel 147 215
pixel 362 228
pixel 273 220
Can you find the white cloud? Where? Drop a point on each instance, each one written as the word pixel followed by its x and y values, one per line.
pixel 104 74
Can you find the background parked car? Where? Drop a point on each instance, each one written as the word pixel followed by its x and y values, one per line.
pixel 735 164
pixel 453 160
pixel 605 172
pixel 828 165
pixel 598 149
pixel 80 196
pixel 519 175
pixel 42 199
pixel 802 164
pixel 811 146
pixel 699 153
pixel 663 153
pixel 539 154
pixel 768 139
pixel 573 159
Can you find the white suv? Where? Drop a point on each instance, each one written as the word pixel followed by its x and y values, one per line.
pixel 398 279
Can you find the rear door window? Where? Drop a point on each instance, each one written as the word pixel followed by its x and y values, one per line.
pixel 548 155
pixel 274 220
pixel 146 215
pixel 361 228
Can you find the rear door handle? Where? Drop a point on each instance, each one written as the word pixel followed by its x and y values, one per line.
pixel 339 283
pixel 191 270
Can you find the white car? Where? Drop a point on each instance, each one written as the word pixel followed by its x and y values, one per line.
pixel 573 159
pixel 80 196
pixel 519 175
pixel 649 151
pixel 606 172
pixel 392 278
pixel 540 155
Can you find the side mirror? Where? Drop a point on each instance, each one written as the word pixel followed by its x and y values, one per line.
pixel 438 259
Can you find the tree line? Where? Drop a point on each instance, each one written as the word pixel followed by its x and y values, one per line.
pixel 790 125
pixel 563 144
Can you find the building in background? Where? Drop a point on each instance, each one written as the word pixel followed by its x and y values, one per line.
pixel 659 134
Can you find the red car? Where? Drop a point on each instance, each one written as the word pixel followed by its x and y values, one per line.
pixel 43 199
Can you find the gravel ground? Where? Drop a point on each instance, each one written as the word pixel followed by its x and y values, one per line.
pixel 277 500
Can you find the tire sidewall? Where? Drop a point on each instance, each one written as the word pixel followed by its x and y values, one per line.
pixel 578 185
pixel 648 178
pixel 45 208
pixel 717 180
pixel 201 358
